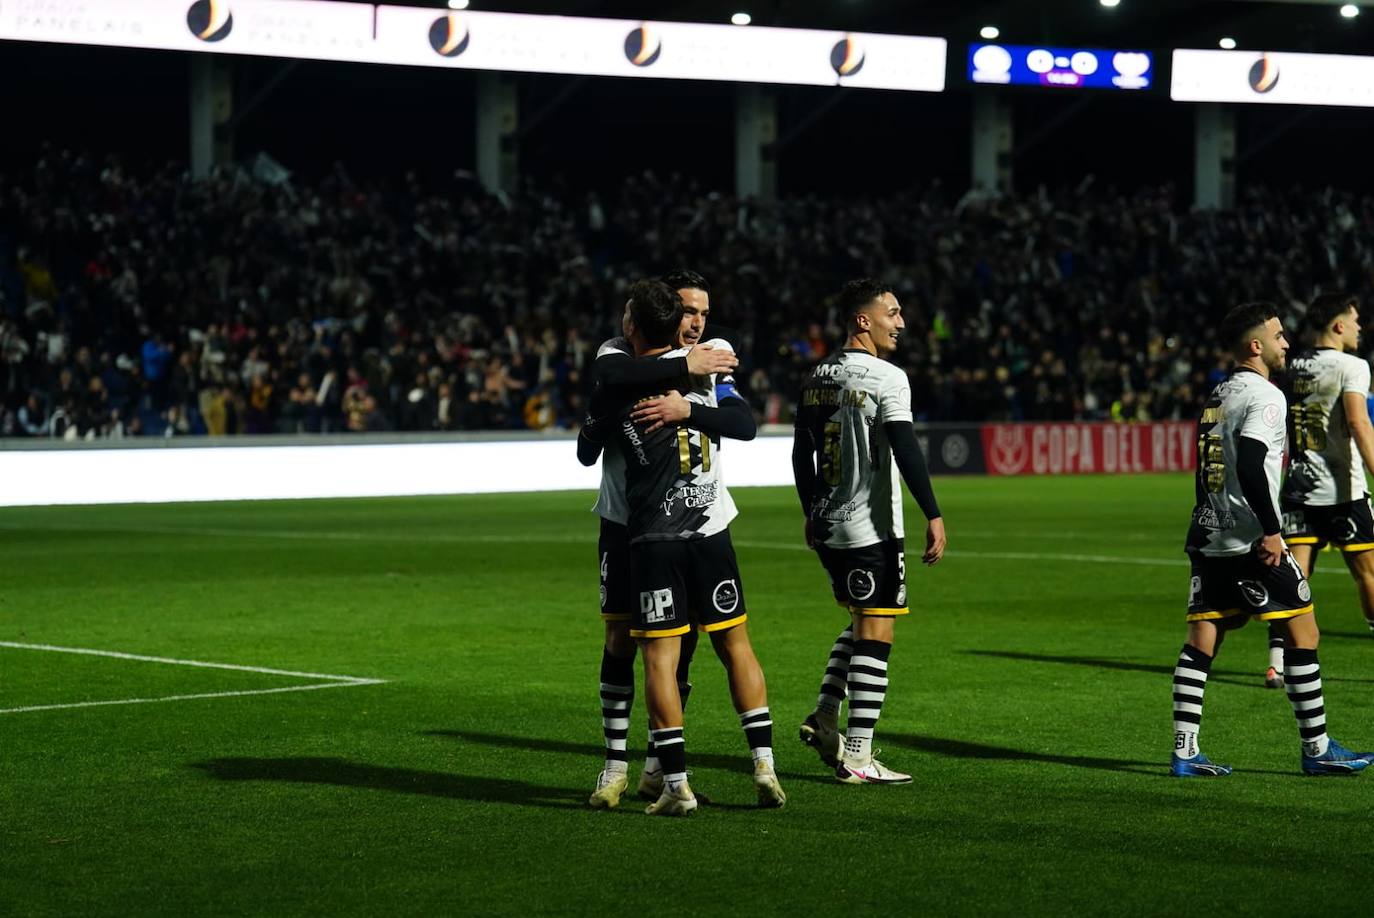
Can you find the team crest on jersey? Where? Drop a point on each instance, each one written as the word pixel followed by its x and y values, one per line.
pixel 1255 593
pixel 726 597
pixel 901 595
pixel 1304 591
pixel 862 584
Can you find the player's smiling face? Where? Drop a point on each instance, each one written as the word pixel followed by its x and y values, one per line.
pixel 696 305
pixel 1273 345
pixel 885 323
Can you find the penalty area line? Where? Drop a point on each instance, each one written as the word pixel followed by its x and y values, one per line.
pixel 199 695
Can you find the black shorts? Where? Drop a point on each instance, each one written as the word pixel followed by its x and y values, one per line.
pixel 1350 527
pixel 613 548
pixel 870 580
pixel 1223 587
pixel 683 583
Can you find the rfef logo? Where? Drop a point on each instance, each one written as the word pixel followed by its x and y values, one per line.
pixel 642 46
pixel 1010 451
pixel 449 36
pixel 210 20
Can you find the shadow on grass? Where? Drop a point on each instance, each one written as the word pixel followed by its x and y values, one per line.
pixel 1228 676
pixel 343 773
pixel 1362 636
pixel 595 753
pixel 962 749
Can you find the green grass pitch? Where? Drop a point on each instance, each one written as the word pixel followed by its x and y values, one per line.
pixel 1030 698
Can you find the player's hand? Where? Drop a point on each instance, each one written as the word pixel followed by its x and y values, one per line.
pixel 810 535
pixel 1271 549
pixel 705 359
pixel 661 410
pixel 935 541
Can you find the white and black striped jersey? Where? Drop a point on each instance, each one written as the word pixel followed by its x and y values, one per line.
pixel 844 404
pixel 1325 467
pixel 674 488
pixel 1245 404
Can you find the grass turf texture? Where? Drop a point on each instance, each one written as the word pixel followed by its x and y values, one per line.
pixel 1030 698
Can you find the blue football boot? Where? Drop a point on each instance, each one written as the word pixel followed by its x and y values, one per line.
pixel 1338 760
pixel 1199 766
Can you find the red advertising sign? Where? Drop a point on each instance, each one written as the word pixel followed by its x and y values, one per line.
pixel 1098 448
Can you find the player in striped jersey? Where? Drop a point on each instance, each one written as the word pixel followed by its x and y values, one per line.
pixel 1330 444
pixel 617 367
pixel 853 421
pixel 1240 565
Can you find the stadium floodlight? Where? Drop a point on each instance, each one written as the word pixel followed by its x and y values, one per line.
pixel 1228 44
pixel 457 4
pixel 989 32
pixel 741 19
pixel 1350 11
pixel 1109 3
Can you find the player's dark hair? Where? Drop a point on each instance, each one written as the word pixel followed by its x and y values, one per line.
pixel 686 279
pixel 1241 319
pixel 1327 308
pixel 857 294
pixel 657 312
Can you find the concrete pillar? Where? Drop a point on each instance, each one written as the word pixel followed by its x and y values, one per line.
pixel 992 142
pixel 212 109
pixel 756 136
pixel 1214 157
pixel 498 123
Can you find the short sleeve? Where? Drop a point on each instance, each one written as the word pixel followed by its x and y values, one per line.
pixel 1356 377
pixel 894 397
pixel 724 380
pixel 1265 415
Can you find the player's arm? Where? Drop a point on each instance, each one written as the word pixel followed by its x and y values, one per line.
pixel 1357 417
pixel 804 473
pixel 733 420
pixel 591 439
pixel 617 368
pixel 911 463
pixel 1254 487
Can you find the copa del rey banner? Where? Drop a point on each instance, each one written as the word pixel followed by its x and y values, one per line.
pixel 1068 449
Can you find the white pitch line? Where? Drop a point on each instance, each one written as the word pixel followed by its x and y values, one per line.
pixel 330 535
pixel 200 663
pixel 269 691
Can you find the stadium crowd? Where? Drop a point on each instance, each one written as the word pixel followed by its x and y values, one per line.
pixel 145 304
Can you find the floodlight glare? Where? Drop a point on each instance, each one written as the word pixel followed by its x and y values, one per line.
pixel 1228 44
pixel 1109 3
pixel 741 19
pixel 989 32
pixel 457 4
pixel 1350 11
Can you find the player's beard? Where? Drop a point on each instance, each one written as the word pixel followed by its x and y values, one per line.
pixel 1276 362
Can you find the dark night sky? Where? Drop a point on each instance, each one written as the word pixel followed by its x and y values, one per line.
pixel 382 120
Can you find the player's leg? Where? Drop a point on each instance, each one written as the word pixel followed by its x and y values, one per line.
pixel 651 778
pixel 1361 566
pixel 877 589
pixel 617 696
pixel 721 612
pixel 749 693
pixel 1321 755
pixel 617 682
pixel 820 729
pixel 1213 609
pixel 665 723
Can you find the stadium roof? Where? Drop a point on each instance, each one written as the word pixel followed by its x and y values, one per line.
pixel 1281 25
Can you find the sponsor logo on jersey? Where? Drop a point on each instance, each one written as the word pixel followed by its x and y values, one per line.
pixel 1209 517
pixel 726 597
pixel 901 595
pixel 654 605
pixel 862 584
pixel 636 442
pixel 836 370
pixel 1255 593
pixel 1194 590
pixel 693 497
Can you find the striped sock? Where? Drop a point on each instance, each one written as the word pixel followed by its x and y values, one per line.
pixel 1275 649
pixel 672 752
pixel 867 689
pixel 617 695
pixel 758 730
pixel 1302 677
pixel 651 762
pixel 1190 681
pixel 836 674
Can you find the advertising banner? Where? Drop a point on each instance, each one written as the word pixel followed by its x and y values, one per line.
pixel 428 37
pixel 1273 78
pixel 1097 448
